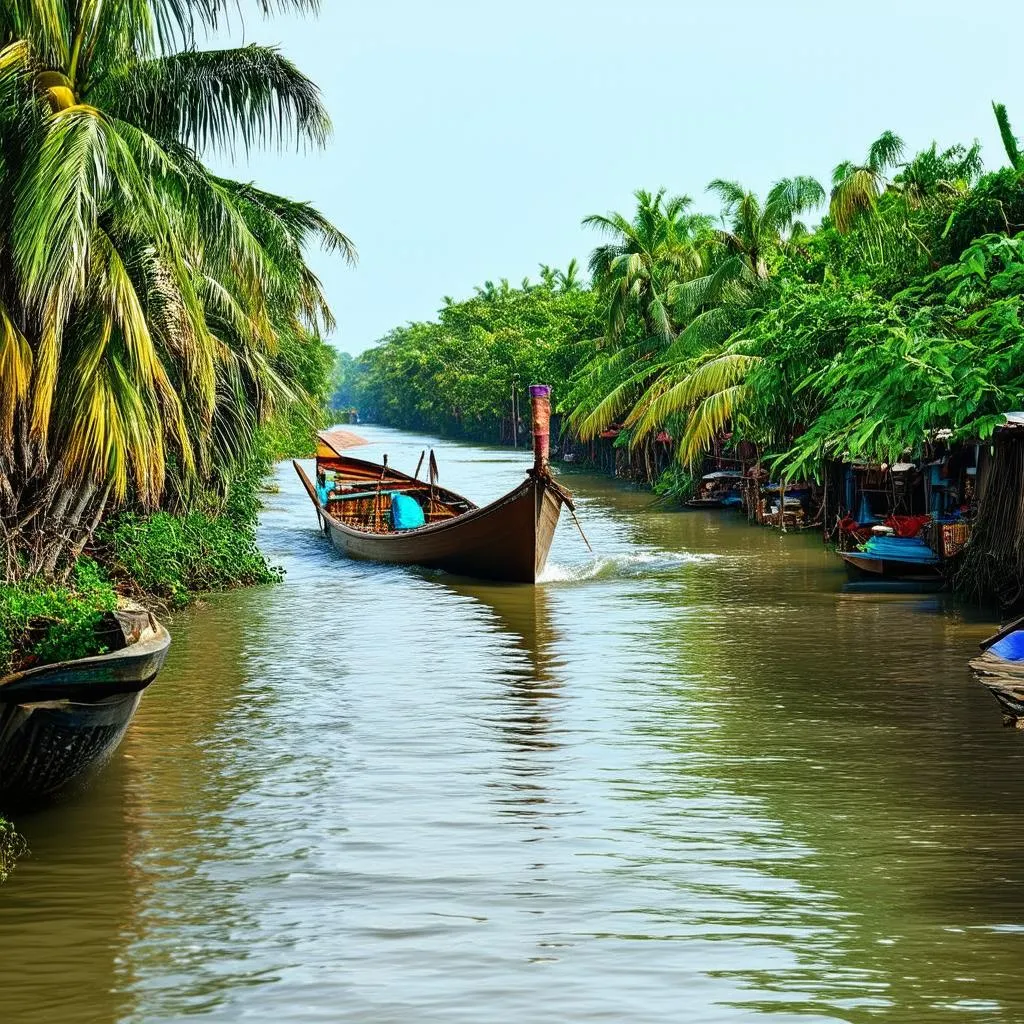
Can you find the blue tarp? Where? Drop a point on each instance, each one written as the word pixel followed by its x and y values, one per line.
pixel 406 513
pixel 1010 648
pixel 899 549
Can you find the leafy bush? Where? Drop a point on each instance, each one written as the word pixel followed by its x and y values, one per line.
pixel 676 484
pixel 42 622
pixel 177 556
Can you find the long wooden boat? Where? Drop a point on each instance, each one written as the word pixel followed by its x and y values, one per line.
pixel 507 540
pixel 60 721
pixel 893 558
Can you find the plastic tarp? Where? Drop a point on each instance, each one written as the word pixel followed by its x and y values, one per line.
pixel 1011 647
pixel 899 549
pixel 406 513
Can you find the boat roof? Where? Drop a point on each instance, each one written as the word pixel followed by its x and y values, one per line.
pixel 339 440
pixel 724 474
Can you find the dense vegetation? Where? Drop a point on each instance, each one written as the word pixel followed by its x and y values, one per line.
pixel 160 329
pixel 461 374
pixel 897 316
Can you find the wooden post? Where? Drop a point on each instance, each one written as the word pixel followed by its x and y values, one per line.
pixel 540 401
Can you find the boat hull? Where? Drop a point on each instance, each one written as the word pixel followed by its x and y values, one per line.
pixel 863 567
pixel 60 722
pixel 508 540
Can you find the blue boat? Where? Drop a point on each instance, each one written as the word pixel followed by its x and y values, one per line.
pixel 903 558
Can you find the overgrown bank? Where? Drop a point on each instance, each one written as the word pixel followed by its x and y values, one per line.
pixel 160 327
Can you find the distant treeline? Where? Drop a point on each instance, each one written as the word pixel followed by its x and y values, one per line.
pixel 460 375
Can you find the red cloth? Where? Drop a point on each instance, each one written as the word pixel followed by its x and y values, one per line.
pixel 907 526
pixel 850 526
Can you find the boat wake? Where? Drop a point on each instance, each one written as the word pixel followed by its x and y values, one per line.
pixel 631 566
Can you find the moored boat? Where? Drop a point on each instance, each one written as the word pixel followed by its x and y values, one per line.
pixel 893 558
pixel 58 722
pixel 721 489
pixel 375 513
pixel 1000 667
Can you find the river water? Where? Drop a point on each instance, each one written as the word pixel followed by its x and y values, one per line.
pixel 688 779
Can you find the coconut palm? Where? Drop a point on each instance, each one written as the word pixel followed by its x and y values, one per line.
pixel 141 296
pixel 856 187
pixel 569 279
pixel 699 378
pixel 635 274
pixel 646 255
pixel 756 231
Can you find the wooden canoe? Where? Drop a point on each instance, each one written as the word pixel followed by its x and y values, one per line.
pixel 507 540
pixel 58 722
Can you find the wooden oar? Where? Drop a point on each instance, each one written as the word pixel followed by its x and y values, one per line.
pixel 572 512
pixel 416 475
pixel 433 478
pixel 376 504
pixel 568 502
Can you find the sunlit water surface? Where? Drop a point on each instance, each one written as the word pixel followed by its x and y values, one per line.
pixel 686 780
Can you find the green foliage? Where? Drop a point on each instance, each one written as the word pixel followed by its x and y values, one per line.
pixel 676 484
pixel 210 545
pixel 307 365
pixel 457 375
pixel 153 314
pixel 12 846
pixel 176 557
pixel 43 622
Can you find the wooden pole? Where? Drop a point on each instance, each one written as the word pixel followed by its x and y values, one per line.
pixel 540 401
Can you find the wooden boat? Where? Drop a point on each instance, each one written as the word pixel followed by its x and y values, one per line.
pixel 58 722
pixel 1000 667
pixel 721 489
pixel 507 540
pixel 893 558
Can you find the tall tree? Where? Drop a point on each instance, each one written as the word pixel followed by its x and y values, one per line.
pixel 757 231
pixel 857 187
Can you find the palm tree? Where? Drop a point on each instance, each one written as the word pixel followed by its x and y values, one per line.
pixel 1010 142
pixel 700 378
pixel 856 187
pixel 141 297
pixel 635 274
pixel 569 279
pixel 755 232
pixel 646 255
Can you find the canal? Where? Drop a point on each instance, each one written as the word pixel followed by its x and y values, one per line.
pixel 686 779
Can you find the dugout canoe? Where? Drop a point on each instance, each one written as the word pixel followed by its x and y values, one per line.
pixel 59 722
pixel 507 540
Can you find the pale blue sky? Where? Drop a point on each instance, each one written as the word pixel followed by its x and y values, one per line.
pixel 471 138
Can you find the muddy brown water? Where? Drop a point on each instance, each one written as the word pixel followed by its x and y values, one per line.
pixel 689 779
